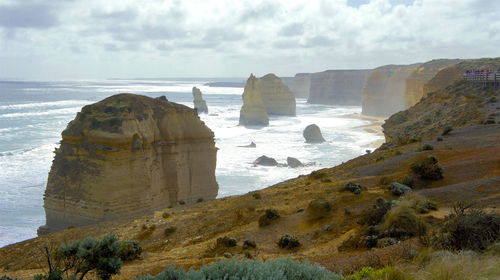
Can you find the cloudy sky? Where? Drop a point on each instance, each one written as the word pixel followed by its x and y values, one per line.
pixel 87 39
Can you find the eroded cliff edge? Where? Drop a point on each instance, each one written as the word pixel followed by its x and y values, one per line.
pixel 128 155
pixel 337 87
pixel 384 91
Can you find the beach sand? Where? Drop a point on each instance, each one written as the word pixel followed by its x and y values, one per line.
pixel 375 126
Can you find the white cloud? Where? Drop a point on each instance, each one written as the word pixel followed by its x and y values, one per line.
pixel 125 38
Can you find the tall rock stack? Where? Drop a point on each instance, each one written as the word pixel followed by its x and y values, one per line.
pixel 199 104
pixel 253 111
pixel 263 96
pixel 416 81
pixel 384 91
pixel 277 97
pixel 337 87
pixel 125 156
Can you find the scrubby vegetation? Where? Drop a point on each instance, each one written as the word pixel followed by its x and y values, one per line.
pixel 289 242
pixel 427 169
pixel 101 258
pixel 268 217
pixel 468 228
pixel 282 269
pixel 354 188
pixel 319 208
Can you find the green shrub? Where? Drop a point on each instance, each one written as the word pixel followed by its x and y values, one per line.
pixel 408 181
pixel 129 250
pixel 165 215
pixel 256 195
pixel 318 174
pixel 427 147
pixel 354 188
pixel 468 229
pixel 399 189
pixel 403 222
pixel 226 242
pixel 427 169
pixel 289 242
pixel 80 258
pixel 386 273
pixel 268 217
pixel 282 269
pixel 375 214
pixel 247 244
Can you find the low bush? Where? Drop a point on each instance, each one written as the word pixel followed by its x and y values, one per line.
pixel 318 174
pixel 468 229
pixel 247 244
pixel 354 188
pixel 169 231
pixel 427 169
pixel 289 242
pixel 447 130
pixel 399 189
pixel 376 213
pixel 268 217
pixel 403 222
pixel 129 250
pixel 226 242
pixel 281 269
pixel 386 273
pixel 427 147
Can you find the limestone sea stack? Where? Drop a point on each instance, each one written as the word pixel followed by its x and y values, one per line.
pixel 384 91
pixel 416 81
pixel 277 97
pixel 128 155
pixel 199 104
pixel 337 87
pixel 253 112
pixel 312 134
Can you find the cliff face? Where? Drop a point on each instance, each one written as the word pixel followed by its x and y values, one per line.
pixel 277 98
pixel 416 81
pixel 337 87
pixel 451 74
pixel 384 91
pixel 299 84
pixel 128 155
pixel 253 111
pixel 199 104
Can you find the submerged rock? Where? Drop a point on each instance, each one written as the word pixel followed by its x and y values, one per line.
pixel 266 161
pixel 293 162
pixel 125 156
pixel 312 134
pixel 199 104
pixel 251 145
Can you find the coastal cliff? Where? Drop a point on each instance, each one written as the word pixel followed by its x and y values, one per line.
pixel 384 90
pixel 199 104
pixel 125 156
pixel 299 84
pixel 337 87
pixel 416 81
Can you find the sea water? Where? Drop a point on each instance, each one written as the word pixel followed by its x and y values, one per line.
pixel 33 115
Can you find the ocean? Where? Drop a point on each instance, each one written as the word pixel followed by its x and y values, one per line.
pixel 33 115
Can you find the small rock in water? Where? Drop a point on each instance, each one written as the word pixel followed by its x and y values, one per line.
pixel 251 145
pixel 293 162
pixel 266 161
pixel 312 134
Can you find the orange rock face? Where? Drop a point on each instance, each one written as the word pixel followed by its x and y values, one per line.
pixel 128 155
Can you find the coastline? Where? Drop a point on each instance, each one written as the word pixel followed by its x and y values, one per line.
pixel 375 127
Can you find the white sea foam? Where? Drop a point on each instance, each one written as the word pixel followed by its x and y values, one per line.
pixel 63 103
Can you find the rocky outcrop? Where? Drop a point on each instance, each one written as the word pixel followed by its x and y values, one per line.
pixel 337 87
pixel 416 81
pixel 384 91
pixel 253 112
pixel 293 162
pixel 265 161
pixel 125 156
pixel 299 84
pixel 263 96
pixel 312 134
pixel 199 104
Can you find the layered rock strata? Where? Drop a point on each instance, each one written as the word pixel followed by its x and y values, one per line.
pixel 263 96
pixel 416 81
pixel 125 156
pixel 253 112
pixel 384 91
pixel 337 87
pixel 199 104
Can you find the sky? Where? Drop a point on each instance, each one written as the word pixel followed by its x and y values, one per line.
pixel 93 39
